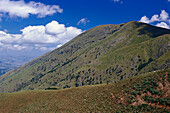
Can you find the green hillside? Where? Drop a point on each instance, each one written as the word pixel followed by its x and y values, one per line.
pixel 104 54
pixel 146 93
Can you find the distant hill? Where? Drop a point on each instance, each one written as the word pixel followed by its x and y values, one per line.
pixel 104 54
pixel 147 93
pixel 12 59
pixel 8 63
pixel 4 67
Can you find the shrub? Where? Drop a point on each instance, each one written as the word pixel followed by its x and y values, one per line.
pixel 133 107
pixel 139 93
pixel 134 93
pixel 131 97
pixel 140 107
pixel 144 91
pixel 126 91
pixel 144 105
pixel 130 101
pixel 165 101
pixel 154 91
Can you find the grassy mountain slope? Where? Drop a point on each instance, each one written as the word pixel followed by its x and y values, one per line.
pixel 144 93
pixel 104 54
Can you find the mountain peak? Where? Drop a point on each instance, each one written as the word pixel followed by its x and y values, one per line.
pixel 103 54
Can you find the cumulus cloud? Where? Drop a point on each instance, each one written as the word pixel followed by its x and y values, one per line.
pixel 155 18
pixel 55 28
pixel 145 19
pixel 164 15
pixel 24 10
pixel 163 25
pixel 83 21
pixel 162 20
pixel 39 37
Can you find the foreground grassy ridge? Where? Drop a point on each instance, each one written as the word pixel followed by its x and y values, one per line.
pixel 99 98
pixel 104 54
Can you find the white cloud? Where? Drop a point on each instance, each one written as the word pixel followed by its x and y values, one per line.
pixel 163 25
pixel 83 21
pixel 55 28
pixel 1 44
pixel 162 20
pixel 155 18
pixel 37 37
pixel 23 9
pixel 18 47
pixel 59 45
pixel 164 15
pixel 45 48
pixel 145 19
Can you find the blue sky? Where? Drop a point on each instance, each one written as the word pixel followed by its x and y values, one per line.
pixel 97 11
pixel 43 25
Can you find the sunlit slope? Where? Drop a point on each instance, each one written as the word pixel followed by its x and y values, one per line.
pixel 103 54
pixel 147 93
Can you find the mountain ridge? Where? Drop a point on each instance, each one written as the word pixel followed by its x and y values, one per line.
pixel 136 94
pixel 103 54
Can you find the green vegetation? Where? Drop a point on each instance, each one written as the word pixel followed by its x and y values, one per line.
pixel 148 94
pixel 104 54
pixel 110 98
pixel 162 101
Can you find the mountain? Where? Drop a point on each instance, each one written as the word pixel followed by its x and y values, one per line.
pixel 4 67
pixel 104 54
pixel 146 93
pixel 8 63
pixel 12 59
